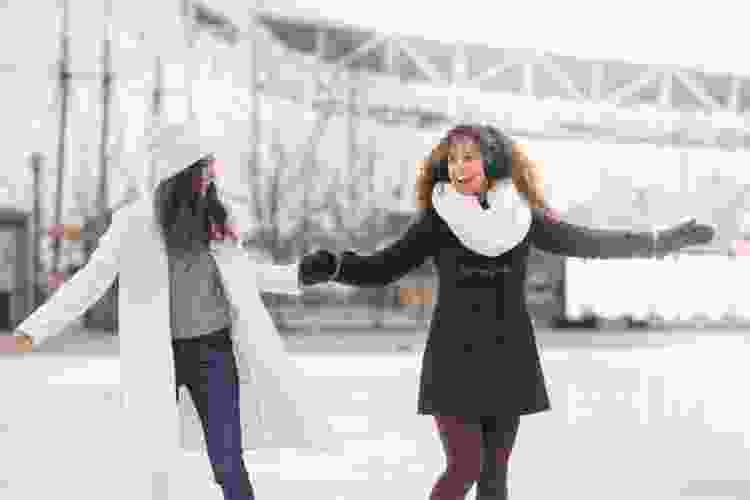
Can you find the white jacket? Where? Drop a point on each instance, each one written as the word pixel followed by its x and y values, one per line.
pixel 278 406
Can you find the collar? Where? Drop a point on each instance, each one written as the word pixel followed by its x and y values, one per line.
pixel 489 232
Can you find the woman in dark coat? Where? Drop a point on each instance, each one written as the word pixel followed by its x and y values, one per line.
pixel 481 368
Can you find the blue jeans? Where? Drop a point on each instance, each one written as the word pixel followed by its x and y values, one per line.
pixel 206 365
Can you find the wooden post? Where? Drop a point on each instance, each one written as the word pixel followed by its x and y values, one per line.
pixel 64 78
pixel 157 98
pixel 254 167
pixel 191 34
pixel 36 168
pixel 103 195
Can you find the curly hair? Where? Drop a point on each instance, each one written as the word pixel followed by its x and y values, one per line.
pixel 187 219
pixel 525 173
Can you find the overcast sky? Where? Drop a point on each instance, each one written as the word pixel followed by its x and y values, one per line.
pixel 694 34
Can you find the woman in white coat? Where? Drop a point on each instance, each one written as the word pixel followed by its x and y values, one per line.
pixel 190 313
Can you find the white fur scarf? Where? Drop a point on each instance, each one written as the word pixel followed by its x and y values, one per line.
pixel 489 232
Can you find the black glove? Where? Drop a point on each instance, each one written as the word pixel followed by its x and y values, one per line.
pixel 317 267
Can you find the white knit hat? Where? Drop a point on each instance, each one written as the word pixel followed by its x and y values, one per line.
pixel 176 147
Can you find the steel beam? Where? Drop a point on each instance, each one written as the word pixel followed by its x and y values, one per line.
pixel 562 78
pixel 665 88
pixel 633 87
pixel 424 65
pixel 494 71
pixel 597 81
pixel 528 79
pixel 734 95
pixel 697 90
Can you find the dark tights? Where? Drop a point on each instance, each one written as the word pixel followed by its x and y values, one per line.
pixel 476 450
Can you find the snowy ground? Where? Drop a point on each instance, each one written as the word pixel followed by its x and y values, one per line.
pixel 635 416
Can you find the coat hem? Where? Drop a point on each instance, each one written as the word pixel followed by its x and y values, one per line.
pixel 497 413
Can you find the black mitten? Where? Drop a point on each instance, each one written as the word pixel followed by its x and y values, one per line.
pixel 317 267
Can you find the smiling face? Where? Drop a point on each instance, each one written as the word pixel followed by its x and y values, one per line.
pixel 466 166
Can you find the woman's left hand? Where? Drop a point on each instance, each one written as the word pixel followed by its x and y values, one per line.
pixel 683 235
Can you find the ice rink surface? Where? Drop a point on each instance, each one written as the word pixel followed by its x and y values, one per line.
pixel 636 415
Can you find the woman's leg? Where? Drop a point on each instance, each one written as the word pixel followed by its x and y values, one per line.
pixel 498 438
pixel 179 364
pixel 462 446
pixel 214 388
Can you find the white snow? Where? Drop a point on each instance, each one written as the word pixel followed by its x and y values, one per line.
pixel 644 422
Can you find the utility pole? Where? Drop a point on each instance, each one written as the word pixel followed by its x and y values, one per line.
pixel 64 78
pixel 107 77
pixel 157 102
pixel 36 168
pixel 188 12
pixel 310 157
pixel 254 167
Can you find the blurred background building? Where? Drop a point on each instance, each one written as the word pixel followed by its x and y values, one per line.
pixel 326 109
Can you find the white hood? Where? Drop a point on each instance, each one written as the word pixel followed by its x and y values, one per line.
pixel 488 232
pixel 175 147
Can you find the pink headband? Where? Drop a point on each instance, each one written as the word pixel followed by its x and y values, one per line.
pixel 462 134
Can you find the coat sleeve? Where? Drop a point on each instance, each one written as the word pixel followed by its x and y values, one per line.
pixel 558 237
pixel 278 279
pixel 393 262
pixel 81 291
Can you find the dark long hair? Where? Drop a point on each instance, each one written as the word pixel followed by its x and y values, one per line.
pixel 187 219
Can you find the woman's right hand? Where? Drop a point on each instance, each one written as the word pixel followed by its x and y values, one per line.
pixel 19 344
pixel 317 267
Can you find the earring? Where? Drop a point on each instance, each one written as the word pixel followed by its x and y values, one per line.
pixel 491 169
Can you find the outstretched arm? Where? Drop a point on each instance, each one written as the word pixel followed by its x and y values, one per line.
pixel 550 234
pixel 75 296
pixel 378 269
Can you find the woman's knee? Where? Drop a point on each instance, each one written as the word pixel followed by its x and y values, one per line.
pixel 225 446
pixel 465 468
pixel 227 466
pixel 465 477
pixel 499 433
pixel 453 483
pixel 462 446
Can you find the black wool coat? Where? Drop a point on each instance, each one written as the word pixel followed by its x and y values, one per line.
pixel 481 356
